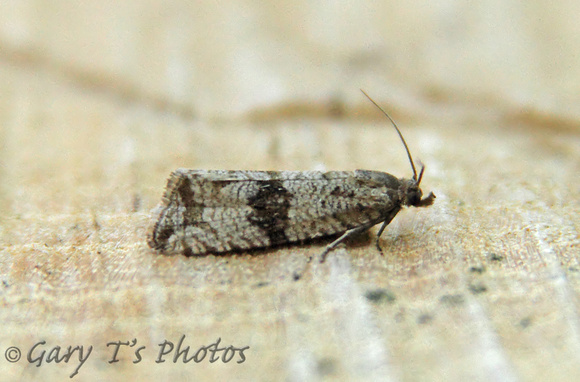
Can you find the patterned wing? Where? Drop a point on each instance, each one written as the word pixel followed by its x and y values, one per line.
pixel 219 211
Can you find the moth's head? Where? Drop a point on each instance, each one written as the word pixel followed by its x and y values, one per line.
pixel 412 193
pixel 409 192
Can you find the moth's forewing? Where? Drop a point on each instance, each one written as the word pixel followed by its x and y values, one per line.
pixel 219 211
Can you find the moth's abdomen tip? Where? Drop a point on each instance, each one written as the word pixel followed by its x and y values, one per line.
pixel 153 242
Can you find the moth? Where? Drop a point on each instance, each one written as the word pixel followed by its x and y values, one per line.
pixel 216 211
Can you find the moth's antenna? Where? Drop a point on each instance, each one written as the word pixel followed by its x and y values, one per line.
pixel 400 135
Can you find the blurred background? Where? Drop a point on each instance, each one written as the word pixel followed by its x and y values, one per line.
pixel 216 59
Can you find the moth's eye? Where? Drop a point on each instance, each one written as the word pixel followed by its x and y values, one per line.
pixel 414 197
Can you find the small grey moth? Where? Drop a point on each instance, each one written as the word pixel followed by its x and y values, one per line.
pixel 214 211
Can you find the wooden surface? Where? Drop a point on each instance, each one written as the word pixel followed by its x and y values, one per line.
pixel 482 286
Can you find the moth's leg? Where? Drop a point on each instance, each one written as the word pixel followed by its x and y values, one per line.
pixel 346 235
pixel 388 219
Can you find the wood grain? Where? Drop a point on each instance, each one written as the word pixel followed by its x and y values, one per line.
pixel 483 285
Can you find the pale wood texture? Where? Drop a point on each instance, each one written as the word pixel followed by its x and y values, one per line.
pixel 481 286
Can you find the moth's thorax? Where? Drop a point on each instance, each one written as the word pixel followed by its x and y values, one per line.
pixel 409 192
